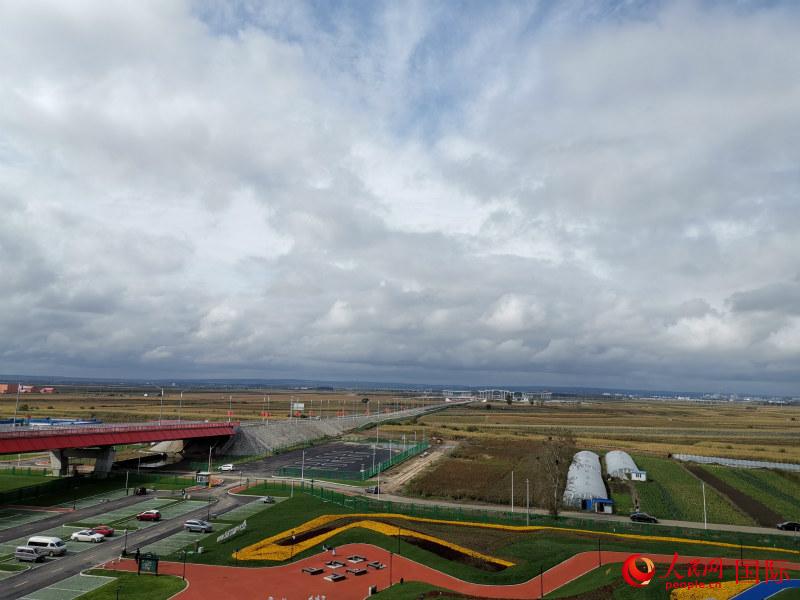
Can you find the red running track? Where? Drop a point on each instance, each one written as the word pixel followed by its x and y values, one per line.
pixel 287 581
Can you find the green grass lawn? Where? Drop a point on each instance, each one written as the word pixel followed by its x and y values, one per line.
pixel 787 595
pixel 621 495
pixel 777 490
pixel 671 492
pixel 12 481
pixel 68 489
pixel 134 587
pixel 529 551
pixel 410 590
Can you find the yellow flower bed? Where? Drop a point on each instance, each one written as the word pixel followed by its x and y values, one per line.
pixel 268 549
pixel 727 590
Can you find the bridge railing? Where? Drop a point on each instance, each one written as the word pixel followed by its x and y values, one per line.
pixel 35 432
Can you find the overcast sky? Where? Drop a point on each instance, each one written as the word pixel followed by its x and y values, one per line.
pixel 553 193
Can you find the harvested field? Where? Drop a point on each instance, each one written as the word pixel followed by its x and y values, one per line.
pixel 734 430
pixel 480 470
pixel 756 510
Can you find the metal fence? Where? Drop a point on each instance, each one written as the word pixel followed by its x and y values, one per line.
pixel 311 473
pixel 736 462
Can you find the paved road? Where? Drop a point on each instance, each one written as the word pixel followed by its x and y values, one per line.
pixel 73 516
pixel 26 582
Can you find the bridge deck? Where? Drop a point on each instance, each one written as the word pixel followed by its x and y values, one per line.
pixel 28 439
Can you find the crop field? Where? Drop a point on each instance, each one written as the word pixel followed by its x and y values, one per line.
pixel 11 481
pixel 671 492
pixel 480 470
pixel 734 430
pixel 779 491
pixel 136 405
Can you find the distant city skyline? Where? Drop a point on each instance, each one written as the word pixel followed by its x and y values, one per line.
pixel 587 194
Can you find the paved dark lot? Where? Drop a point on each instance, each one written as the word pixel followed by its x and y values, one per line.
pixel 23 583
pixel 344 458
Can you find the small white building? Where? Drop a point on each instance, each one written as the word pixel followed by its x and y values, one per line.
pixel 620 465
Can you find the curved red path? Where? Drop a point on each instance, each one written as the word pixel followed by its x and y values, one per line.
pixel 287 581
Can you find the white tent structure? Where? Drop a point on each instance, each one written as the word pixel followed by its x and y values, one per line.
pixel 585 484
pixel 620 465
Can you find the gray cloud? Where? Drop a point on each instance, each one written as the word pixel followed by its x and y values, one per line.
pixel 570 195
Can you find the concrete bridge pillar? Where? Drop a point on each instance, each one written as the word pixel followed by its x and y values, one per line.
pixel 59 463
pixel 104 461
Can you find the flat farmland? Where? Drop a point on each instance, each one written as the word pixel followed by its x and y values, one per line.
pixel 480 470
pixel 672 492
pixel 736 430
pixel 112 405
pixel 777 490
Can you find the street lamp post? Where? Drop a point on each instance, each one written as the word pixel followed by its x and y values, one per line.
pixel 180 407
pixel 184 564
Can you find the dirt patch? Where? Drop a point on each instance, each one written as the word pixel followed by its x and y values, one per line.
pixel 453 555
pixel 761 514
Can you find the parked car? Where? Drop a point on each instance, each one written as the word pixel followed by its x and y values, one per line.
pixel 140 491
pixel 52 546
pixel 87 535
pixel 28 554
pixel 104 530
pixel 373 490
pixel 268 500
pixel 640 517
pixel 226 467
pixel 149 515
pixel 198 526
pixel 789 526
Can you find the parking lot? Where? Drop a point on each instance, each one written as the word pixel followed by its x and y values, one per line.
pixel 345 459
pixel 14 517
pixel 118 519
pixel 70 588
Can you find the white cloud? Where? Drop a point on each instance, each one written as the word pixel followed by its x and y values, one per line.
pixel 505 193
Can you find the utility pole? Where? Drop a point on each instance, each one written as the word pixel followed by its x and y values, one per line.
pixel 209 465
pixel 264 409
pixel 512 491
pixel 161 410
pixel 230 408
pixel 180 407
pixel 705 518
pixel 303 468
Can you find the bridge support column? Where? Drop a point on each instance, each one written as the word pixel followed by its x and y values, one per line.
pixel 59 463
pixel 104 461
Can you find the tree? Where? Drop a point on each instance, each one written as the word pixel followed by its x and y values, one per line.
pixel 508 399
pixel 557 453
pixel 365 400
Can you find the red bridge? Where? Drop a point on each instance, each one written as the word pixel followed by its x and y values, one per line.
pixel 62 441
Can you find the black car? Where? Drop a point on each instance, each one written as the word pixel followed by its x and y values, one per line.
pixel 640 517
pixel 789 526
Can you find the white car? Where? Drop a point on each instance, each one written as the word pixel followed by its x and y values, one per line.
pixel 87 535
pixel 227 467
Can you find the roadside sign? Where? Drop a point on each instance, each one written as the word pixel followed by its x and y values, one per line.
pixel 148 563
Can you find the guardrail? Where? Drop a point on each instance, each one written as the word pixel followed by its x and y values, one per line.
pixel 54 430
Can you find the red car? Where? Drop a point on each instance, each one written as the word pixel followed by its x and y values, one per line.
pixel 149 515
pixel 104 530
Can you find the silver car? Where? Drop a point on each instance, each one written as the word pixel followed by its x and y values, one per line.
pixel 198 526
pixel 28 554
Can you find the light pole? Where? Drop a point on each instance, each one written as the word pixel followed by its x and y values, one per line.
pixel 230 408
pixel 209 464
pixel 512 491
pixel 527 502
pixel 180 407
pixel 161 410
pixel 184 564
